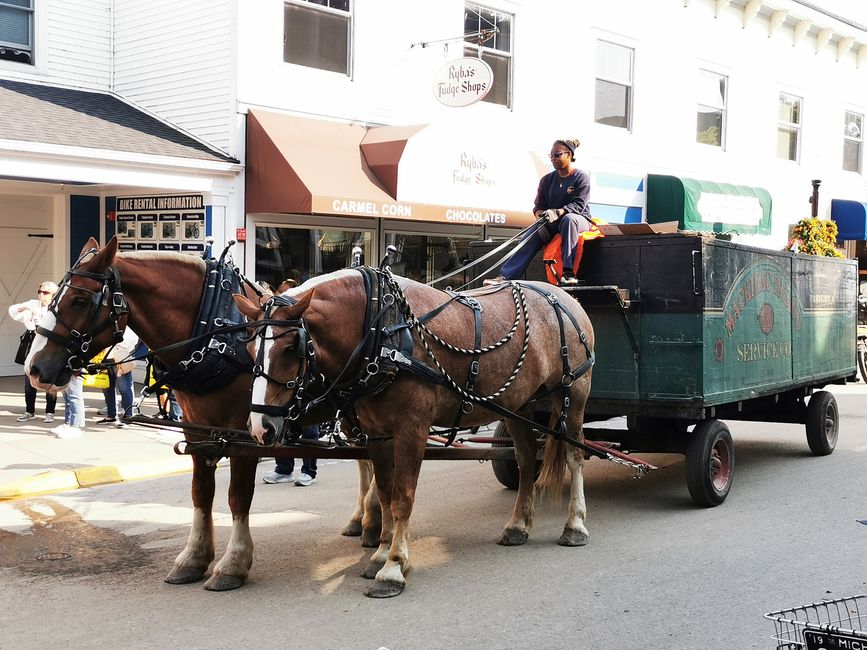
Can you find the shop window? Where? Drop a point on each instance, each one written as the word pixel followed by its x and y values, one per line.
pixel 296 253
pixel 613 84
pixel 789 127
pixel 711 114
pixel 16 30
pixel 495 50
pixel 852 139
pixel 427 257
pixel 318 34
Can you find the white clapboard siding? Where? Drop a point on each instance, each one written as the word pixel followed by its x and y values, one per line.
pixel 78 42
pixel 175 59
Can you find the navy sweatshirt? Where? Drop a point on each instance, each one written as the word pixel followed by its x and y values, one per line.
pixel 573 196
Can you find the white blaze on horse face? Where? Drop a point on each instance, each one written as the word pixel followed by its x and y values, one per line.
pixel 39 341
pixel 260 385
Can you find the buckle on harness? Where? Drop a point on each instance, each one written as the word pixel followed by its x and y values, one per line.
pixel 395 355
pixel 474 368
pixel 117 300
pixel 213 344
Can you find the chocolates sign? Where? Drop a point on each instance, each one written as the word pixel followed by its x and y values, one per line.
pixel 463 82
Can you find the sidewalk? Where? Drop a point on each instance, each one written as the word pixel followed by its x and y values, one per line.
pixel 33 461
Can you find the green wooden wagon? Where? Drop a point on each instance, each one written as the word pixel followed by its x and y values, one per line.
pixel 692 330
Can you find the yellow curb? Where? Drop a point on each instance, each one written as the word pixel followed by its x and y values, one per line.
pixel 44 483
pixel 100 475
pixel 49 482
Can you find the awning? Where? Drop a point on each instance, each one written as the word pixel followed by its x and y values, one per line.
pixel 851 219
pixel 307 166
pixel 708 206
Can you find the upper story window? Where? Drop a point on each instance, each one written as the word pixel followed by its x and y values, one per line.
pixel 495 51
pixel 613 84
pixel 318 34
pixel 711 116
pixel 853 126
pixel 789 127
pixel 16 30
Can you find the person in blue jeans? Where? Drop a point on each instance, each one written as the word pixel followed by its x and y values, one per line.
pixel 73 420
pixel 562 199
pixel 284 471
pixel 120 379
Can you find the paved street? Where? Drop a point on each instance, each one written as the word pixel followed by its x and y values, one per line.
pixel 658 572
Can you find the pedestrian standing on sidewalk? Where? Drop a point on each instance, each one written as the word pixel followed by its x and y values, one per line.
pixel 31 314
pixel 120 380
pixel 284 471
pixel 73 420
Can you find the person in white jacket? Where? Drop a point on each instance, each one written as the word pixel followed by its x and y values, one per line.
pixel 31 314
pixel 120 378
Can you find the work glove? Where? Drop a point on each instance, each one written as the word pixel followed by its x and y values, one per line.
pixel 551 215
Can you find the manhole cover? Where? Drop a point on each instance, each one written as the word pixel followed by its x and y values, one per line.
pixel 53 556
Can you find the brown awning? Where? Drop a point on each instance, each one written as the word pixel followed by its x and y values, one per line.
pixel 382 148
pixel 308 166
pixel 295 164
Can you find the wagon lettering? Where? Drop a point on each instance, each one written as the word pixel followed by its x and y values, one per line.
pixel 763 350
pixel 751 285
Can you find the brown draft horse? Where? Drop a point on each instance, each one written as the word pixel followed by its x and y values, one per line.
pixel 329 311
pixel 163 292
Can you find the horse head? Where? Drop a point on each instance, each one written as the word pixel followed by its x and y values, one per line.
pixel 88 314
pixel 282 350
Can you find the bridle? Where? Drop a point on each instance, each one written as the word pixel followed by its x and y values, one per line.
pixel 77 343
pixel 307 368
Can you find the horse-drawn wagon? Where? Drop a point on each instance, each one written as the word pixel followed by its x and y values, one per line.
pixel 693 330
pixel 686 331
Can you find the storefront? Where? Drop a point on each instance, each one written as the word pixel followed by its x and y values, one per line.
pixel 78 164
pixel 320 194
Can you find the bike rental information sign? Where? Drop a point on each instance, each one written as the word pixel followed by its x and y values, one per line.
pixel 165 223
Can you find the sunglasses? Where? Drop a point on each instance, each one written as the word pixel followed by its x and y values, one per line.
pixel 557 154
pixel 46 293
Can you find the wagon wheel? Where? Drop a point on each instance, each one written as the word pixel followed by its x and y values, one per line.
pixel 506 471
pixel 823 423
pixel 710 463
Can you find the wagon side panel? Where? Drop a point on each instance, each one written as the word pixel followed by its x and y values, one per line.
pixel 824 295
pixel 747 322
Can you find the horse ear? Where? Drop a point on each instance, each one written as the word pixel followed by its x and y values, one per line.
pixel 302 303
pixel 247 307
pixel 89 246
pixel 105 257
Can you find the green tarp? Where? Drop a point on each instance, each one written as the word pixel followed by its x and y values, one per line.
pixel 707 206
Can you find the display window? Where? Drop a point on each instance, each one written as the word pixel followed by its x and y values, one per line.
pixel 299 253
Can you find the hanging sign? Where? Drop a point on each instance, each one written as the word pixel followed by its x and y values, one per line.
pixel 463 82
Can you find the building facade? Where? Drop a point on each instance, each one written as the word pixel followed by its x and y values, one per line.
pixel 312 131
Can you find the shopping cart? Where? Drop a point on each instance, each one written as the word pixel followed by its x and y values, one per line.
pixel 826 625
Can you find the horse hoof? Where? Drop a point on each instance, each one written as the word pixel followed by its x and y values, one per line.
pixel 353 529
pixel 572 537
pixel 372 569
pixel 370 538
pixel 384 589
pixel 223 582
pixel 184 575
pixel 513 537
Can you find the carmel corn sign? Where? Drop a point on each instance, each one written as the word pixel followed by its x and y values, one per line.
pixel 463 82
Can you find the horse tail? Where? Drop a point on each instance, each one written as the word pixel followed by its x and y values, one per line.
pixel 553 473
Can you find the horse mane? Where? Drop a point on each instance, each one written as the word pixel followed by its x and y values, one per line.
pixel 157 256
